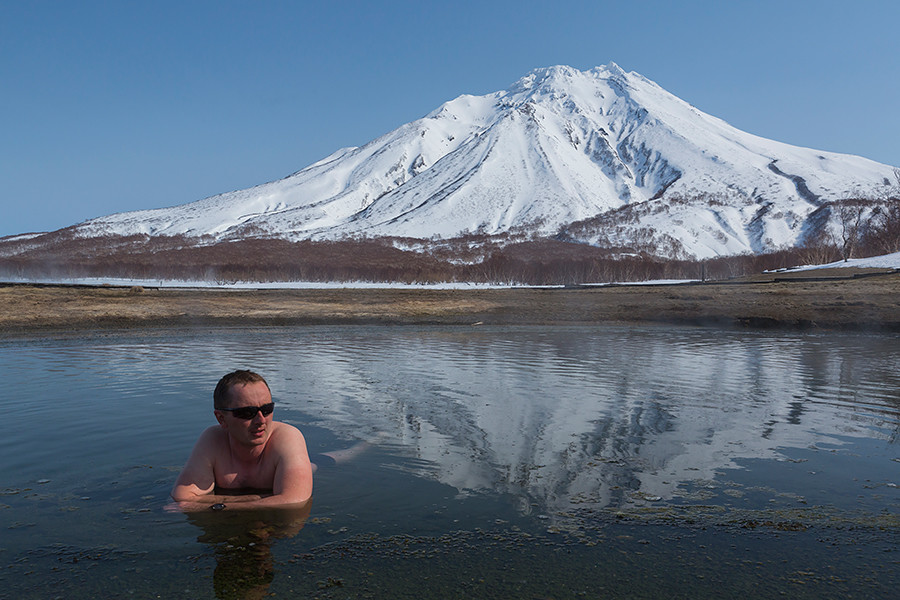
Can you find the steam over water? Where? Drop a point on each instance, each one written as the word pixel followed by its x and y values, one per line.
pixel 561 431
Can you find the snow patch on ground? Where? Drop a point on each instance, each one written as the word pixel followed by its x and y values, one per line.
pixel 885 261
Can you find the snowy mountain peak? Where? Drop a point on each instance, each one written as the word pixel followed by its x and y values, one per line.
pixel 599 156
pixel 547 77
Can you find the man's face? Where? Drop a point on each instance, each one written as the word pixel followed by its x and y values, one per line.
pixel 248 432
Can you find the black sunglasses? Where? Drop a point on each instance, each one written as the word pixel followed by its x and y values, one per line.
pixel 248 412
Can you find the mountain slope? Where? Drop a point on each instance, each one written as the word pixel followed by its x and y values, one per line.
pixel 608 151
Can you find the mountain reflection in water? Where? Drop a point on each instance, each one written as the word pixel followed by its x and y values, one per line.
pixel 598 417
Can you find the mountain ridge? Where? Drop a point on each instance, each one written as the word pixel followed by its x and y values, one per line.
pixel 561 153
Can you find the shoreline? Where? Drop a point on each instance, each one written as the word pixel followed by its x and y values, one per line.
pixel 834 299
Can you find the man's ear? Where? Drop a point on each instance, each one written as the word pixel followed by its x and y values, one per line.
pixel 220 417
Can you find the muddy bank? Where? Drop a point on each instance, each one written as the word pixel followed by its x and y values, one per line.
pixel 835 299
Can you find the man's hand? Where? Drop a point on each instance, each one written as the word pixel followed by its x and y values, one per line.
pixel 204 502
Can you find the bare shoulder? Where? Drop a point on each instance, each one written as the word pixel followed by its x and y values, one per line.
pixel 283 433
pixel 286 439
pixel 210 443
pixel 212 436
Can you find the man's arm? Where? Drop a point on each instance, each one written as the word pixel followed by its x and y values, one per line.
pixel 293 475
pixel 197 480
pixel 293 481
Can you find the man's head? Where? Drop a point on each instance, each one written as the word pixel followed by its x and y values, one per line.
pixel 243 407
pixel 223 389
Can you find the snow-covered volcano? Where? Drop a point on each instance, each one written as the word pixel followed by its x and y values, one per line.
pixel 560 146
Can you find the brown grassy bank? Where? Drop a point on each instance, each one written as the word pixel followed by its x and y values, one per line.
pixel 823 300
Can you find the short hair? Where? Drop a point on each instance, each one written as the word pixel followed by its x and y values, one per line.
pixel 239 377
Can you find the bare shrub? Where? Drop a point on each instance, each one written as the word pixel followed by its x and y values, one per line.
pixel 883 236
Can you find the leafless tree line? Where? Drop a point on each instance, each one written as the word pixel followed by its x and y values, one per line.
pixel 535 262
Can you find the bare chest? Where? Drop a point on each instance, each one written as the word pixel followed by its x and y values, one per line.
pixel 231 473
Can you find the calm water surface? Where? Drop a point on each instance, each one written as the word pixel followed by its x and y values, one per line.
pixel 533 462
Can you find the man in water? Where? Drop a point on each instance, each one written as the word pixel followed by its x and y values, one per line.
pixel 247 450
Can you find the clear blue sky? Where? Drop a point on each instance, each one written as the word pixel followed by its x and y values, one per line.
pixel 123 105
